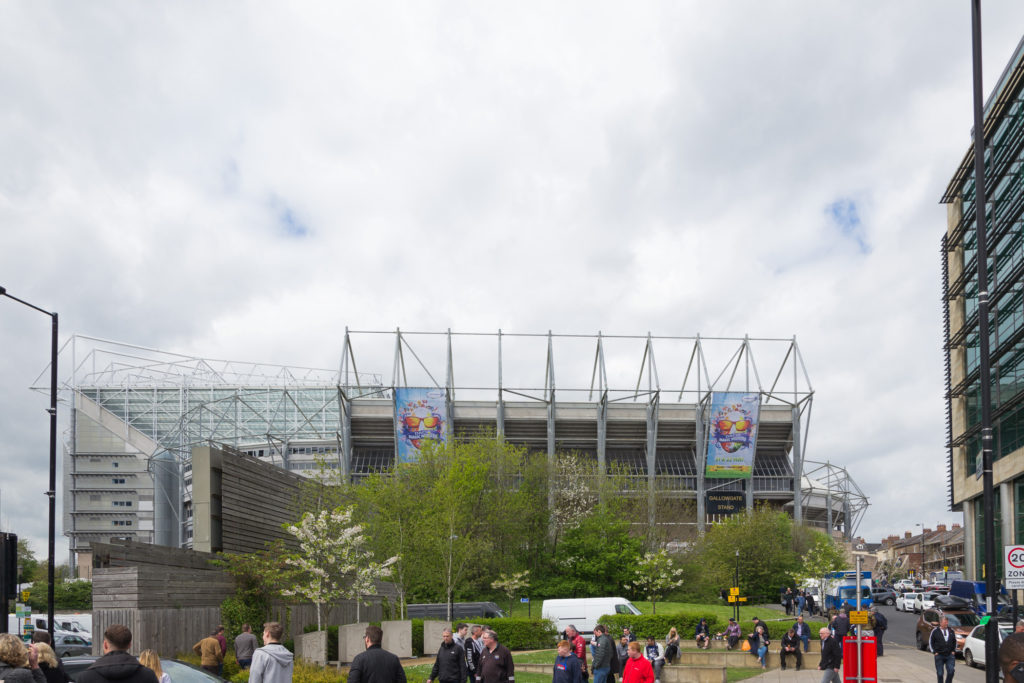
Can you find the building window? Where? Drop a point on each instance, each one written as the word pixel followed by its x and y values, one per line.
pixel 115 464
pixel 118 480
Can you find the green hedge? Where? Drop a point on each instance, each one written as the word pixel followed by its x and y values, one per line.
pixel 658 625
pixel 302 673
pixel 522 634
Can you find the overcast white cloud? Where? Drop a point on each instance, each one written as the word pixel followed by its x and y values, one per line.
pixel 242 181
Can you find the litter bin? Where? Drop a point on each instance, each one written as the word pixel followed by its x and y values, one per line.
pixel 868 660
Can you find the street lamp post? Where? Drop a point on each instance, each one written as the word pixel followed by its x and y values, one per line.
pixel 51 493
pixel 984 370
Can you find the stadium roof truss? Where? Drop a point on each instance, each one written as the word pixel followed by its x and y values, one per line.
pixel 183 401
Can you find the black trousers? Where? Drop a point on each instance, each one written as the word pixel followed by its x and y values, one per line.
pixel 799 657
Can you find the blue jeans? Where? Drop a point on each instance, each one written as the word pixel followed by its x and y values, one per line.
pixel 807 643
pixel 947 662
pixel 600 675
pixel 761 652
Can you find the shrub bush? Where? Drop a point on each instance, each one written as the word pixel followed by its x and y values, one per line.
pixel 302 673
pixel 417 637
pixel 234 612
pixel 522 634
pixel 658 625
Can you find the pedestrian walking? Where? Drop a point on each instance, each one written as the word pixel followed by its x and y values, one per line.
pixel 245 646
pixel 496 664
pixel 831 657
pixel 567 665
pixel 637 669
pixel 210 655
pixel 879 626
pixel 18 664
pixel 273 663
pixel 579 648
pixel 942 644
pixel 450 663
pixel 116 665
pixel 603 647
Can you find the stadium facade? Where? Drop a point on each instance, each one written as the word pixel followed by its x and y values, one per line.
pixel 137 413
pixel 1004 163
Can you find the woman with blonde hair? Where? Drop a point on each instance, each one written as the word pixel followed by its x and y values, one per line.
pixel 48 663
pixel 151 660
pixel 15 657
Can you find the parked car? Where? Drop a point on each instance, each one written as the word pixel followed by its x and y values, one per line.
pixel 904 585
pixel 974 644
pixel 71 646
pixel 924 601
pixel 179 672
pixel 460 610
pixel 962 621
pixel 905 602
pixel 883 596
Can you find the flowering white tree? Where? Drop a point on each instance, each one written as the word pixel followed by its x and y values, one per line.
pixel 572 491
pixel 656 574
pixel 333 563
pixel 510 585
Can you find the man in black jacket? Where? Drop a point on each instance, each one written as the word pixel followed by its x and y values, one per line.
pixel 450 665
pixel 791 646
pixel 831 657
pixel 495 662
pixel 879 626
pixel 376 665
pixel 942 643
pixel 116 664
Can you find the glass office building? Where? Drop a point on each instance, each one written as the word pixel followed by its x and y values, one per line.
pixel 1004 169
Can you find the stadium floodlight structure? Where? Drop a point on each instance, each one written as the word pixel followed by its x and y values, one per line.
pixel 635 404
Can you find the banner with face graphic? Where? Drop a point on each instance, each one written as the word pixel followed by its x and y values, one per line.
pixel 732 435
pixel 420 415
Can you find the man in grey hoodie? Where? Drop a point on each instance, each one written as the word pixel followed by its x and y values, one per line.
pixel 271 663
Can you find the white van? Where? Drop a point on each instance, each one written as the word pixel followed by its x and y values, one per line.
pixel 583 613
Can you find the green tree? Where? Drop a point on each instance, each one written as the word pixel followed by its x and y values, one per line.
pixel 595 557
pixel 28 565
pixel 764 539
pixel 511 584
pixel 823 557
pixel 67 595
pixel 259 580
pixel 656 574
pixel 333 561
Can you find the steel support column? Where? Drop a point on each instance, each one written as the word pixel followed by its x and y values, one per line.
pixel 652 455
pixel 698 460
pixel 798 468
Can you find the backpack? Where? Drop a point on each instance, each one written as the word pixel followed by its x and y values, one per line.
pixel 880 621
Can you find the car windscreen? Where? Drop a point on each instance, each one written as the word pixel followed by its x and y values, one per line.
pixel 962 619
pixel 182 673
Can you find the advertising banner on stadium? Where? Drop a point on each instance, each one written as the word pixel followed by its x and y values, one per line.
pixel 420 415
pixel 732 435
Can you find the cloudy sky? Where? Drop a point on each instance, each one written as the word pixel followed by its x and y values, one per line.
pixel 243 181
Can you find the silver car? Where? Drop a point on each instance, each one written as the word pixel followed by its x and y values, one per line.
pixel 71 646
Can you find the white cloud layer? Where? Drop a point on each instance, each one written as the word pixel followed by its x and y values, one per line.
pixel 242 181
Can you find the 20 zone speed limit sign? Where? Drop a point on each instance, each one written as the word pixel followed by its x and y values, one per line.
pixel 1014 564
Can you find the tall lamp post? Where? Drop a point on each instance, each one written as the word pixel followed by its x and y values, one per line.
pixel 980 205
pixel 51 493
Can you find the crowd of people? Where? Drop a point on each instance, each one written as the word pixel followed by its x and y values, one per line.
pixel 36 662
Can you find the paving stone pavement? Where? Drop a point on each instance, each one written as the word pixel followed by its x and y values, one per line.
pixel 899 665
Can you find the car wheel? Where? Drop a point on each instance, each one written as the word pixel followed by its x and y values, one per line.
pixel 890 602
pixel 968 658
pixel 920 641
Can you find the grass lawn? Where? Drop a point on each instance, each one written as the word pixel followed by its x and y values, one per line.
pixel 419 674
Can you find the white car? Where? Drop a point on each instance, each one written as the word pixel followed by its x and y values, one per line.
pixel 924 601
pixel 974 643
pixel 905 602
pixel 904 585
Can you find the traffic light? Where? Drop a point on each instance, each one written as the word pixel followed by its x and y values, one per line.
pixel 9 564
